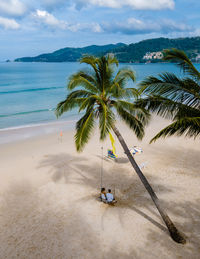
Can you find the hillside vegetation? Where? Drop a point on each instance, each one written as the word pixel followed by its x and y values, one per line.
pixel 136 51
pixel 125 53
pixel 70 54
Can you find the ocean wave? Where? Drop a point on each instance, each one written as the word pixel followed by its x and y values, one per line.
pixel 25 113
pixel 31 90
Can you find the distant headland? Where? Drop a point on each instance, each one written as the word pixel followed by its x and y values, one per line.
pixel 146 51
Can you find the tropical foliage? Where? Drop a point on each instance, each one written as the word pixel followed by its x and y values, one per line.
pixel 102 94
pixel 174 98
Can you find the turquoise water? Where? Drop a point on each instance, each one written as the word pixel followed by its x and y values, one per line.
pixel 29 92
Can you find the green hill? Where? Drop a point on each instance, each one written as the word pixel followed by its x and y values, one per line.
pixel 136 51
pixel 125 53
pixel 70 54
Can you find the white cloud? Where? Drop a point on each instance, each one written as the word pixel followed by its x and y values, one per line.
pixel 12 7
pixel 170 25
pixel 134 4
pixel 96 27
pixel 8 23
pixel 135 26
pixel 194 33
pixel 48 19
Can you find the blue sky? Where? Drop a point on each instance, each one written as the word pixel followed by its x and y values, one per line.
pixel 31 27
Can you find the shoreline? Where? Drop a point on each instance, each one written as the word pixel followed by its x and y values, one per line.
pixel 29 131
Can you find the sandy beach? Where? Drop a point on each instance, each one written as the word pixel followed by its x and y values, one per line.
pixel 49 207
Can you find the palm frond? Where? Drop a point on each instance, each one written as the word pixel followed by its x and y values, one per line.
pixel 89 59
pixel 171 87
pixel 192 86
pixel 84 129
pixel 125 73
pixel 188 126
pixel 141 113
pixel 115 90
pixel 105 73
pixel 73 100
pixel 186 111
pixel 159 105
pixel 184 62
pixel 112 60
pixel 118 87
pixel 132 92
pixel 84 80
pixel 92 61
pixel 126 105
pixel 87 103
pixel 165 85
pixel 167 108
pixel 132 121
pixel 106 120
pixel 69 105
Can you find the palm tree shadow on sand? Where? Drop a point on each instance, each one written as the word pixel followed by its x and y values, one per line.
pixel 129 191
pixel 130 194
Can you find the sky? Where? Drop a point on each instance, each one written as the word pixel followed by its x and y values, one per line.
pixel 32 27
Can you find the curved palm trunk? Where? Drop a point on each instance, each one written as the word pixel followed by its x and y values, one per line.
pixel 175 234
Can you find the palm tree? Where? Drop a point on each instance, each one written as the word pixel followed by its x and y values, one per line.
pixel 174 98
pixel 102 94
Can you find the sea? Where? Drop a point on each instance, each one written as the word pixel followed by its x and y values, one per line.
pixel 29 93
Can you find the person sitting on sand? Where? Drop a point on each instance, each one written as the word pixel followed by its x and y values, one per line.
pixel 103 194
pixel 109 196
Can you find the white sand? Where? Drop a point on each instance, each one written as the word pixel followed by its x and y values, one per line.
pixel 48 206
